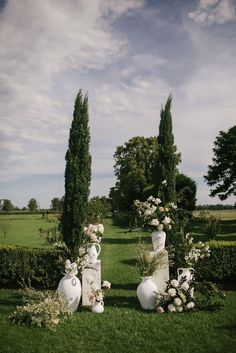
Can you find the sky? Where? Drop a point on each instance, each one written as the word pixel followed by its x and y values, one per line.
pixel 128 55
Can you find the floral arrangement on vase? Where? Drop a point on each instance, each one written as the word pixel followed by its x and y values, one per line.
pixel 97 295
pixel 94 232
pixel 178 297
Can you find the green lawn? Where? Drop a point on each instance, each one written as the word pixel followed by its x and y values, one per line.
pixel 123 327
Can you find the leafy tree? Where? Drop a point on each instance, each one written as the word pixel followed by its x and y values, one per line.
pixel 221 175
pixel 166 162
pixel 98 209
pixel 32 205
pixel 77 176
pixel 56 204
pixel 7 206
pixel 186 192
pixel 134 170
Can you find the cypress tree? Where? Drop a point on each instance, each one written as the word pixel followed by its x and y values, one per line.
pixel 77 176
pixel 166 163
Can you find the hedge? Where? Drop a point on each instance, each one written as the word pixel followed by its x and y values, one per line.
pixel 25 266
pixel 221 265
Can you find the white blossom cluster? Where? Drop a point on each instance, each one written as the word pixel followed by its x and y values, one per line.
pixel 150 212
pixel 178 297
pixel 197 251
pixel 94 232
pixel 71 268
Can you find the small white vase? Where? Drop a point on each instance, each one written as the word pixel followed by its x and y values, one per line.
pixel 98 307
pixel 94 250
pixel 187 273
pixel 70 287
pixel 146 293
pixel 158 240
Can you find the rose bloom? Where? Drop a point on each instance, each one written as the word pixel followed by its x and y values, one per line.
pixel 171 308
pixel 166 220
pixel 174 283
pixel 161 209
pixel 191 292
pixel 177 301
pixel 179 309
pixel 99 297
pixel 172 292
pixel 106 284
pixel 100 228
pixel 154 222
pixel 190 305
pixel 93 238
pixel 185 286
pixel 160 310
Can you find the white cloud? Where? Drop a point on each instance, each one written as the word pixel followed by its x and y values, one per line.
pixel 214 11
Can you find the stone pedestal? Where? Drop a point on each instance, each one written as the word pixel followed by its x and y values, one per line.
pixel 160 276
pixel 91 278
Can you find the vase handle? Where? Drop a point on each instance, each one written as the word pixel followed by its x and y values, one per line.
pixel 99 248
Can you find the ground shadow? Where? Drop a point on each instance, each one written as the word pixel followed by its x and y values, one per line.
pixel 130 262
pixel 124 286
pixel 119 241
pixel 231 328
pixel 121 301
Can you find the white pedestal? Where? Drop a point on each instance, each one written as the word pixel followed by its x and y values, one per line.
pixel 91 277
pixel 160 276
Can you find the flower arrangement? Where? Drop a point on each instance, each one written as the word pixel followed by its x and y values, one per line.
pixel 94 232
pixel 178 297
pixel 71 268
pixel 97 294
pixel 147 263
pixel 195 251
pixel 152 213
pixel 42 309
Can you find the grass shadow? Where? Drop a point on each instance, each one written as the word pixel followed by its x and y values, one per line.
pixel 125 286
pixel 130 262
pixel 119 241
pixel 121 301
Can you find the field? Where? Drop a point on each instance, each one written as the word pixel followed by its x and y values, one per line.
pixel 123 327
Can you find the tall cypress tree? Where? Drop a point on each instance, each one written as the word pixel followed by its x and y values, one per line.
pixel 166 164
pixel 77 176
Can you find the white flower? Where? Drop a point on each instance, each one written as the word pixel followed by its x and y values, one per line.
pixel 191 292
pixel 100 228
pixel 166 220
pixel 190 305
pixel 171 308
pixel 157 201
pixel 185 286
pixel 161 209
pixel 160 227
pixel 174 283
pixel 179 309
pixel 183 297
pixel 164 182
pixel 177 301
pixel 172 292
pixel 67 264
pixel 106 284
pixel 154 222
pixel 93 238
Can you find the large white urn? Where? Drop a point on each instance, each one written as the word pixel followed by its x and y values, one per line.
pixel 70 287
pixel 146 293
pixel 158 240
pixel 94 250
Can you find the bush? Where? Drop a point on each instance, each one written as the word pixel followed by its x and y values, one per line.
pixel 211 227
pixel 24 266
pixel 221 264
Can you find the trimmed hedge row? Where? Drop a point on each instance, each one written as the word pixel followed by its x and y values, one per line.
pixel 221 264
pixel 24 266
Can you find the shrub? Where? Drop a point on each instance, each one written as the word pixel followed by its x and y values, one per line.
pixel 24 266
pixel 221 264
pixel 211 227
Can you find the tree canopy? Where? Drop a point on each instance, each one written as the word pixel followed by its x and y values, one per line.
pixel 221 175
pixel 33 205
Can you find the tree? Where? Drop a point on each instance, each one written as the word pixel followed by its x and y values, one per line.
pixel 7 206
pixel 77 176
pixel 166 162
pixel 32 205
pixel 56 204
pixel 134 170
pixel 186 189
pixel 221 175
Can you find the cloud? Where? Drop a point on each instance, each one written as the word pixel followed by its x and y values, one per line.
pixel 214 11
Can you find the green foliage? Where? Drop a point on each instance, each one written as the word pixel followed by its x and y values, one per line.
pixel 77 176
pixel 221 264
pixel 221 175
pixel 42 309
pixel 186 192
pixel 24 266
pixel 7 206
pixel 208 296
pixel 32 205
pixel 148 264
pixel 211 227
pixel 98 209
pixel 166 162
pixel 57 204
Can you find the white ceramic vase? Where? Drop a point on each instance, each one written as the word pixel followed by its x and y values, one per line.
pixel 146 293
pixel 98 307
pixel 94 250
pixel 70 287
pixel 158 240
pixel 186 273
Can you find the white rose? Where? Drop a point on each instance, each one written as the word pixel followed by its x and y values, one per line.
pixel 100 228
pixel 171 308
pixel 106 284
pixel 179 309
pixel 157 201
pixel 177 301
pixel 93 238
pixel 172 292
pixel 160 227
pixel 190 305
pixel 174 283
pixel 191 292
pixel 166 220
pixel 67 264
pixel 161 209
pixel 154 222
pixel 185 286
